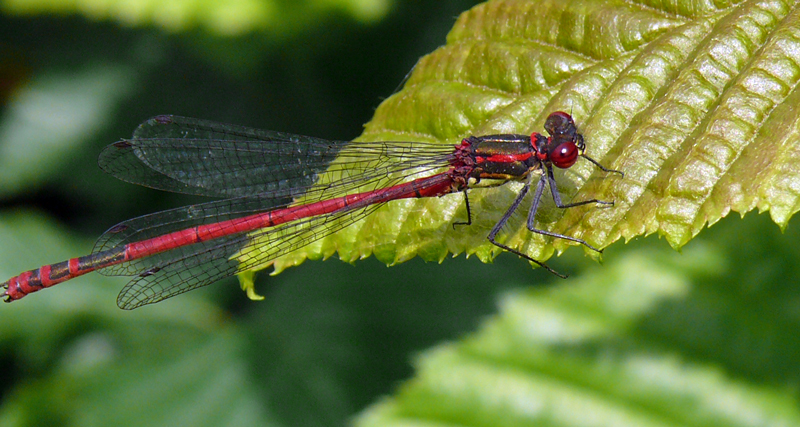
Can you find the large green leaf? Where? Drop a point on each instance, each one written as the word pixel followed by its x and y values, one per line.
pixel 654 338
pixel 694 102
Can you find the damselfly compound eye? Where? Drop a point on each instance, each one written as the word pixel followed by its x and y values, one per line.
pixel 559 123
pixel 564 155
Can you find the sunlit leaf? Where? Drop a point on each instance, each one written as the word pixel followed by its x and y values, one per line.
pixel 694 102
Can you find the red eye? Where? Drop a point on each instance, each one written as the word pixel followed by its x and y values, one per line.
pixel 565 155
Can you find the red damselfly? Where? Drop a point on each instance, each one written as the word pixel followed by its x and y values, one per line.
pixel 282 192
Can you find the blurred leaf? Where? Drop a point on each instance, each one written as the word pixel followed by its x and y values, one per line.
pixel 168 365
pixel 50 116
pixel 26 236
pixel 705 337
pixel 694 102
pixel 13 71
pixel 227 18
pixel 641 342
pixel 318 347
pixel 200 382
pixel 329 338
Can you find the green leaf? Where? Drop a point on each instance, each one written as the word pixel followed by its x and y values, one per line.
pixel 52 115
pixel 199 381
pixel 700 338
pixel 178 364
pixel 29 236
pixel 655 338
pixel 315 350
pixel 694 102
pixel 225 18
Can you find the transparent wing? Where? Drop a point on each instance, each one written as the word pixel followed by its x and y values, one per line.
pixel 205 158
pixel 260 171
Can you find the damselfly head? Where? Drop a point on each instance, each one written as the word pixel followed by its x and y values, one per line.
pixel 564 145
pixel 560 123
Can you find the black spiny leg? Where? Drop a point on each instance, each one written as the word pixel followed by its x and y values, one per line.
pixel 551 182
pixel 499 226
pixel 469 214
